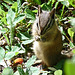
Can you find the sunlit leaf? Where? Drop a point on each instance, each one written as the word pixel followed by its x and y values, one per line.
pixel 70 67
pixel 72 2
pixel 9 55
pixel 73 22
pixel 2 53
pixel 10 16
pixel 29 14
pixel 9 1
pixel 27 42
pixel 4 30
pixel 8 7
pixel 15 48
pixel 7 71
pixel 20 70
pixel 35 70
pixel 30 61
pixel 70 32
pixel 19 18
pixel 14 6
pixel 58 72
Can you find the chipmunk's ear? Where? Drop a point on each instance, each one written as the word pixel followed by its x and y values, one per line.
pixel 39 11
pixel 52 13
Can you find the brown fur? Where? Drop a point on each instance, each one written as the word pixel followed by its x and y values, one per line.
pixel 49 51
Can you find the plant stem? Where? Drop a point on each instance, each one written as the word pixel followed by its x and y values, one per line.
pixel 5 62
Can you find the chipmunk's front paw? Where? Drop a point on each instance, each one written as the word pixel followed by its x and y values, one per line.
pixel 37 38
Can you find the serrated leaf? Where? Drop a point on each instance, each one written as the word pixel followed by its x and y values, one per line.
pixel 7 71
pixel 9 55
pixel 2 53
pixel 58 72
pixel 30 61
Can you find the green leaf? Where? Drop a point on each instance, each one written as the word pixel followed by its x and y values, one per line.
pixel 7 71
pixel 6 38
pixel 73 22
pixel 58 72
pixel 23 37
pixel 72 2
pixel 70 67
pixel 8 1
pixel 35 70
pixel 70 32
pixel 2 12
pixel 4 20
pixel 29 14
pixel 37 1
pixel 8 7
pixel 9 55
pixel 14 6
pixel 2 53
pixel 71 44
pixel 19 5
pixel 15 48
pixel 10 19
pixel 4 30
pixel 19 18
pixel 10 16
pixel 16 73
pixel 27 42
pixel 73 51
pixel 73 29
pixel 30 61
pixel 66 3
pixel 20 70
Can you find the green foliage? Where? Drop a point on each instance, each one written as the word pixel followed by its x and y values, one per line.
pixel 72 2
pixel 70 67
pixel 58 72
pixel 20 70
pixel 30 61
pixel 70 32
pixel 2 51
pixel 29 14
pixel 16 18
pixel 7 71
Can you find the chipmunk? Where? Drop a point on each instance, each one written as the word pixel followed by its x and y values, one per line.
pixel 47 43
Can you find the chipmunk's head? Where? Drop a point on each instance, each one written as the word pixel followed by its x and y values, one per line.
pixel 45 20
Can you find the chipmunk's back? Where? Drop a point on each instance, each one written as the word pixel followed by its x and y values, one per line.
pixel 47 38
